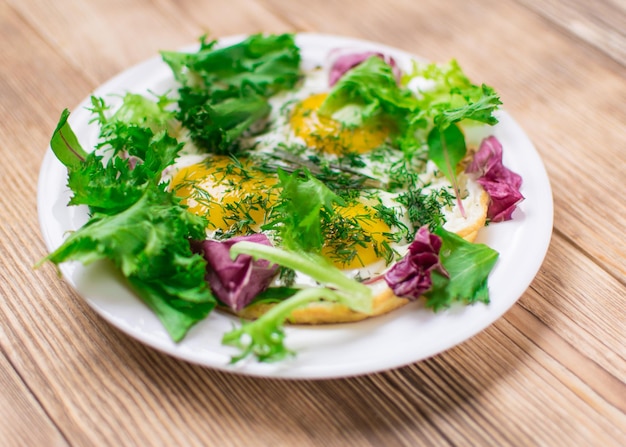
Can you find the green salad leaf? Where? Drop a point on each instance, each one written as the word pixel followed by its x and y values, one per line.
pixel 149 244
pixel 354 294
pixel 298 215
pixel 266 64
pixel 476 104
pixel 449 95
pixel 135 111
pixel 449 99
pixel 114 184
pixel 468 265
pixel 65 145
pixel 135 222
pixel 216 126
pixel 135 148
pixel 178 316
pixel 265 336
pixel 446 149
pixel 367 91
pixel 224 91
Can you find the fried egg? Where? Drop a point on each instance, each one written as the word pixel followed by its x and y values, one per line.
pixel 228 192
pixel 237 195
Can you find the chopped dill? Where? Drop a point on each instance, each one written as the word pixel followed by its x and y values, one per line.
pixel 343 180
pixel 286 276
pixel 425 209
pixel 389 216
pixel 237 215
pixel 344 235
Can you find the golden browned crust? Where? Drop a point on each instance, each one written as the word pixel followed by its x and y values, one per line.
pixel 327 312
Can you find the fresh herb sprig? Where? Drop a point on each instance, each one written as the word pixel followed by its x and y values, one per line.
pixel 425 208
pixel 342 179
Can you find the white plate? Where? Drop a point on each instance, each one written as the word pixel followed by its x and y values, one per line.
pixel 400 338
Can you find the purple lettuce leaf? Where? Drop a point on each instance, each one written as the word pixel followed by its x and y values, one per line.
pixel 411 276
pixel 346 61
pixel 502 184
pixel 235 283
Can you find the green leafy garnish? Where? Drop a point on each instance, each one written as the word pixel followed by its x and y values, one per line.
pixel 224 90
pixel 135 148
pixel 65 145
pixel 449 99
pixel 297 217
pixel 266 334
pixel 149 244
pixel 135 111
pixel 424 209
pixel 216 126
pixel 357 295
pixel 264 337
pixel 446 148
pixel 135 223
pixel 275 294
pixel 367 91
pixel 477 104
pixel 112 186
pixel 265 64
pixel 468 265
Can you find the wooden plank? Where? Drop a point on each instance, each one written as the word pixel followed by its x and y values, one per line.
pixel 500 372
pixel 585 307
pixel 23 421
pixel 134 31
pixel 526 380
pixel 597 385
pixel 599 23
pixel 25 93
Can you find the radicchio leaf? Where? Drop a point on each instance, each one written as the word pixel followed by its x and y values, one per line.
pixel 411 276
pixel 347 61
pixel 235 283
pixel 499 182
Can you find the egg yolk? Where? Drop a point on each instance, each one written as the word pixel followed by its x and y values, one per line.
pixel 231 194
pixel 330 136
pixel 364 238
pixel 236 197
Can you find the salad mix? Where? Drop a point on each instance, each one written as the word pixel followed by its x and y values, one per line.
pixel 138 222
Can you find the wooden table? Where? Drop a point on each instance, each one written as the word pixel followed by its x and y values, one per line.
pixel 550 372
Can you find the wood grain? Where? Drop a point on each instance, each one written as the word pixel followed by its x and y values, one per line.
pixel 21 412
pixel 600 24
pixel 551 372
